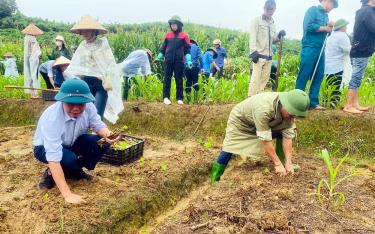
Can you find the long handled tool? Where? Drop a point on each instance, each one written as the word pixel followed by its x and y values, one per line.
pixel 31 88
pixel 317 63
pixel 277 78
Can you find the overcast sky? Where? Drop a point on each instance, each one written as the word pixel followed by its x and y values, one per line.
pixel 233 14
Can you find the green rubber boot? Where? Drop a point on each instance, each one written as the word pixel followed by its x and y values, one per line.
pixel 216 172
pixel 279 150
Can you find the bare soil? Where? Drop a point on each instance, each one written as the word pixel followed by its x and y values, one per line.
pixel 251 199
pixel 25 208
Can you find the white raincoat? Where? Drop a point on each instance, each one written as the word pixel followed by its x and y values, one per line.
pixel 10 67
pixel 32 52
pixel 136 64
pixel 96 59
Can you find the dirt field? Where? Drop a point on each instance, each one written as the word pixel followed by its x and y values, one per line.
pixel 24 208
pixel 250 199
pixel 168 191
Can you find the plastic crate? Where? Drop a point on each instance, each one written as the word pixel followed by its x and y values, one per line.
pixel 121 157
pixel 48 95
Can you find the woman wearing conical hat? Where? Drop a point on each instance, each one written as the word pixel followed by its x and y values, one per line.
pixel 93 61
pixel 10 65
pixel 32 53
pixel 60 66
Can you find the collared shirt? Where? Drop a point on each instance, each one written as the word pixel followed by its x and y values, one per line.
pixel 262 35
pixel 221 55
pixel 57 129
pixel 338 46
pixel 315 18
pixel 47 67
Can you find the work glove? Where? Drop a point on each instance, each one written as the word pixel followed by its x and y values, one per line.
pixel 189 63
pixel 254 56
pixel 281 34
pixel 160 57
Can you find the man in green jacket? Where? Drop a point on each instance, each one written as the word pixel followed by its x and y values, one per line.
pixel 253 124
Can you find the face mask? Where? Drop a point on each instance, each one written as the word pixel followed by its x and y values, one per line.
pixel 59 43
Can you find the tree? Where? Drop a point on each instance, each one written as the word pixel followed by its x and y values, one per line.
pixel 7 8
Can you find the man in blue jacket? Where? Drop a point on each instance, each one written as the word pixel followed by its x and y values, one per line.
pixel 192 73
pixel 363 47
pixel 315 29
pixel 220 59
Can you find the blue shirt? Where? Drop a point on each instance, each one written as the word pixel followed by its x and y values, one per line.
pixel 338 46
pixel 207 60
pixel 57 129
pixel 47 67
pixel 315 17
pixel 196 55
pixel 221 55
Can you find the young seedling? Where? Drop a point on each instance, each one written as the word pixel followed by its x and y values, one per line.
pixel 142 162
pixel 164 167
pixel 62 220
pixel 326 190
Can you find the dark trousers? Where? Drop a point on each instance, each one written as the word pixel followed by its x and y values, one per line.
pixel 335 80
pixel 101 96
pixel 176 69
pixel 192 79
pixel 85 147
pixel 46 79
pixel 220 73
pixel 128 83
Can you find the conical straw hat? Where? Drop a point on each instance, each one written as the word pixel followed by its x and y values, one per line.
pixel 8 54
pixel 60 38
pixel 87 23
pixel 33 30
pixel 61 61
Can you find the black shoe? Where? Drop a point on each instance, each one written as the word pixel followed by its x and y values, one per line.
pixel 80 174
pixel 47 181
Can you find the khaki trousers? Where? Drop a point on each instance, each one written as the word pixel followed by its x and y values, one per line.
pixel 260 76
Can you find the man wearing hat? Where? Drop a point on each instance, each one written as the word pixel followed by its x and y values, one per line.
pixel 220 59
pixel 315 30
pixel 254 122
pixel 337 49
pixel 138 63
pixel 175 52
pixel 362 50
pixel 262 36
pixel 10 65
pixel 192 73
pixel 61 139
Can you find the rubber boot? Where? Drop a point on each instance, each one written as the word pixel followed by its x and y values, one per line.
pixel 216 172
pixel 280 150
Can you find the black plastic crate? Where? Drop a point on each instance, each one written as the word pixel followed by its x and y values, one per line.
pixel 121 157
pixel 49 95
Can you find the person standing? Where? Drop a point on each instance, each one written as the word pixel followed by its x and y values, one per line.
pixel 338 47
pixel 220 59
pixel 175 52
pixel 192 74
pixel 93 61
pixel 136 64
pixel 363 47
pixel 253 123
pixel 60 49
pixel 10 65
pixel 32 53
pixel 262 36
pixel 315 30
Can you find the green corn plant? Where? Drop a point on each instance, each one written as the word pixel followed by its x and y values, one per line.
pixel 326 189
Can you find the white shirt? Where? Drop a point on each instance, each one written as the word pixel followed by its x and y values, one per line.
pixel 57 129
pixel 338 46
